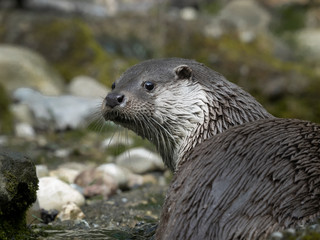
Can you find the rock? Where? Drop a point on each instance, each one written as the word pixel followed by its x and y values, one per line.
pixel 140 160
pixel 53 194
pixel 57 113
pixel 24 130
pixel 308 42
pixel 20 67
pixel 42 171
pixel 70 211
pixel 276 236
pixel 18 186
pixel 65 174
pixel 119 174
pixel 247 17
pixel 84 86
pixel 96 182
pixel 188 14
pixel 21 113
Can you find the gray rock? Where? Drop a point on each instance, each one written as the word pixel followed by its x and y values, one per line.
pixel 58 113
pixel 140 160
pixel 84 86
pixel 20 67
pixel 18 186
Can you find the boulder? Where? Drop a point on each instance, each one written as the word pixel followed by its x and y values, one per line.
pixel 18 186
pixel 20 67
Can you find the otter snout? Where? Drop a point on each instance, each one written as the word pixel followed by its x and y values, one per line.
pixel 113 99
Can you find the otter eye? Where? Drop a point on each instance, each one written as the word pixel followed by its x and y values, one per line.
pixel 113 86
pixel 148 85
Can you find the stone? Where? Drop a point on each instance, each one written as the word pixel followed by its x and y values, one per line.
pixel 20 67
pixel 42 171
pixel 57 113
pixel 18 186
pixel 65 174
pixel 96 183
pixel 54 193
pixel 140 160
pixel 70 211
pixel 308 42
pixel 84 86
pixel 118 173
pixel 24 130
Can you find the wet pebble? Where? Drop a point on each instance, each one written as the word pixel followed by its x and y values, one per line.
pixel 70 211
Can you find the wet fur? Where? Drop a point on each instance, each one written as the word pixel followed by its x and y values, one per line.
pixel 189 104
pixel 245 183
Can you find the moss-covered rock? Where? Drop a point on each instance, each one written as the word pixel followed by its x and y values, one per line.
pixel 18 186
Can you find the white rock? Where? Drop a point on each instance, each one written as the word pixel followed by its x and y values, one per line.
pixel 65 174
pixel 188 13
pixel 140 160
pixel 53 194
pixel 24 130
pixel 84 86
pixel 42 171
pixel 22 113
pixel 70 211
pixel 118 173
pixel 276 236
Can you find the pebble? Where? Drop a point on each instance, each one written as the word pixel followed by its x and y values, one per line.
pixel 276 236
pixel 96 182
pixel 70 211
pixel 140 160
pixel 24 130
pixel 65 174
pixel 54 193
pixel 118 173
pixel 42 171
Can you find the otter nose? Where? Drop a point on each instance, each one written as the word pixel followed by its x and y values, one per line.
pixel 114 99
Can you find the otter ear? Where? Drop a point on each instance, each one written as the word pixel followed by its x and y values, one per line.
pixel 183 72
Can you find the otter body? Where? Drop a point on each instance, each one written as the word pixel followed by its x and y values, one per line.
pixel 240 172
pixel 245 183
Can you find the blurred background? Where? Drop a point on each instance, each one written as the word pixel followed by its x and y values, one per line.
pixel 59 58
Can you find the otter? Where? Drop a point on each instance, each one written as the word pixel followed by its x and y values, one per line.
pixel 177 104
pixel 245 183
pixel 230 156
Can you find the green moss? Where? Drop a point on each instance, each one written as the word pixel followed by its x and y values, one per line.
pixel 6 119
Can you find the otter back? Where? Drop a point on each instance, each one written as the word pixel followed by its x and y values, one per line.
pixel 245 183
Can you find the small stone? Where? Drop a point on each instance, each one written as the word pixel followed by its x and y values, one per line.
pixel 276 236
pixel 96 182
pixel 70 211
pixel 42 171
pixel 118 173
pixel 53 194
pixel 65 174
pixel 140 160
pixel 188 13
pixel 24 130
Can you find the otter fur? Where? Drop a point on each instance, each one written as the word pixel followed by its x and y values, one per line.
pixel 177 104
pixel 240 172
pixel 245 183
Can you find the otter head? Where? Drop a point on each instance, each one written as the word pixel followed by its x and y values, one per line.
pixel 175 104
